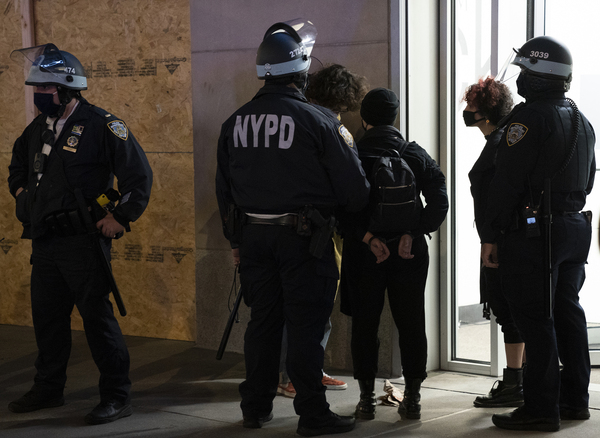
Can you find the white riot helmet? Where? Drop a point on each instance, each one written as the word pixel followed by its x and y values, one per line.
pixel 50 66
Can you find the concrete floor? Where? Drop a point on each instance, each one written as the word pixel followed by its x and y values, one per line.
pixel 182 391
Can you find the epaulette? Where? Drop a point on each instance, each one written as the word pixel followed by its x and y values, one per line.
pixel 116 125
pixel 103 113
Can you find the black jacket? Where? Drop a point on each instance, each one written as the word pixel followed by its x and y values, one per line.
pixel 278 153
pixel 93 147
pixel 481 176
pixel 535 145
pixel 431 182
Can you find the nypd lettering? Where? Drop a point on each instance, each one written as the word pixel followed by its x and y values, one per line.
pixel 119 128
pixel 516 132
pixel 280 127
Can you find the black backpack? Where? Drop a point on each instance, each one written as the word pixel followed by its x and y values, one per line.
pixel 394 203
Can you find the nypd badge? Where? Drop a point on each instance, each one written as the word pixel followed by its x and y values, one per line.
pixel 77 129
pixel 516 132
pixel 119 128
pixel 346 135
pixel 72 144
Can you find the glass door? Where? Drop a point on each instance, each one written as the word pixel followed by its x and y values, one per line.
pixel 483 34
pixel 485 31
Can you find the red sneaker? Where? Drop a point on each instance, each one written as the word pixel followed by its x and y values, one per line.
pixel 332 383
pixel 286 389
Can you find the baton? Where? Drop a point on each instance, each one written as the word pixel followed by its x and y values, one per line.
pixel 109 275
pixel 230 321
pixel 95 236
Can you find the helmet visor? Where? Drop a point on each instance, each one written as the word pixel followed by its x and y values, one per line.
pixel 303 31
pixel 306 31
pixel 510 69
pixel 45 64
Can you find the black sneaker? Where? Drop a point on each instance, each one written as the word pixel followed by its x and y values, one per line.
pixel 574 414
pixel 324 425
pixel 256 422
pixel 521 420
pixel 34 400
pixel 108 411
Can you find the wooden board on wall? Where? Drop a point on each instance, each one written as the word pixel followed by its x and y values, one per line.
pixel 138 60
pixel 14 253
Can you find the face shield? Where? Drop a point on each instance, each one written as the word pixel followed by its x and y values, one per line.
pixel 510 70
pixel 307 33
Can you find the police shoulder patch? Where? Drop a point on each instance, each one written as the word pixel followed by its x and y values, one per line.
pixel 515 133
pixel 119 128
pixel 346 135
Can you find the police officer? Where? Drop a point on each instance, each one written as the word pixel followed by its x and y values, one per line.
pixel 280 161
pixel 547 143
pixel 64 160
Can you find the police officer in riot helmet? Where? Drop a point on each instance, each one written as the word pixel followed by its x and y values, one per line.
pixel 544 170
pixel 64 161
pixel 284 168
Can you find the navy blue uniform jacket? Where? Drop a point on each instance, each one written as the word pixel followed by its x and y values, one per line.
pixel 278 153
pixel 93 147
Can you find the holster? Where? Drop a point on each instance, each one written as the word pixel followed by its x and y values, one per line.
pixel 233 224
pixel 321 231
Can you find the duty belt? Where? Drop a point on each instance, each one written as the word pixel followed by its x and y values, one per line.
pixel 565 213
pixel 290 220
pixel 66 223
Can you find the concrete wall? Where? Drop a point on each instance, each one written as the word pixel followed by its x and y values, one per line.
pixel 225 36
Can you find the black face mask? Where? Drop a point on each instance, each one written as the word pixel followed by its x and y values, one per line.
pixel 45 103
pixel 469 117
pixel 522 86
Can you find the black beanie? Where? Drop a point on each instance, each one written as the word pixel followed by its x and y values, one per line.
pixel 380 107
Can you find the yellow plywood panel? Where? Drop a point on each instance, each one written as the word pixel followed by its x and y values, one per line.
pixel 138 60
pixel 12 78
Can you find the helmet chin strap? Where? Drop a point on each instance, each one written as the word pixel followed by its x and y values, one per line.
pixel 301 82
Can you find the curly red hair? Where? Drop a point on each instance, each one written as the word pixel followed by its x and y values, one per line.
pixel 492 98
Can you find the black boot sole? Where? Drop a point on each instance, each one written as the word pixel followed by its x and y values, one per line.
pixel 90 419
pixel 506 404
pixel 364 415
pixel 406 415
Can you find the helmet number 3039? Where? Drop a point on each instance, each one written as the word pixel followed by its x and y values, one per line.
pixel 536 54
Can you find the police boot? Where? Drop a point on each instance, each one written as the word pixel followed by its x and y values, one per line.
pixel 505 393
pixel 365 409
pixel 410 408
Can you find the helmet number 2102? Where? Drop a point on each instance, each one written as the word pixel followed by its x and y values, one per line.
pixel 536 54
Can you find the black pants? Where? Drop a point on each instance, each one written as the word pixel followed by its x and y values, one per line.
pixel 491 282
pixel 405 283
pixel 281 283
pixel 563 337
pixel 67 272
